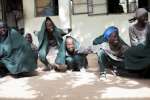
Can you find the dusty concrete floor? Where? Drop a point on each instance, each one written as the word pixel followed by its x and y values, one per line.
pixel 74 86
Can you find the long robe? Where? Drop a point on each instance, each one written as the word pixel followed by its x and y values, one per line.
pixel 138 57
pixel 44 44
pixel 16 53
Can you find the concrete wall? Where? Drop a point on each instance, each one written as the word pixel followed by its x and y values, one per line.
pixel 33 24
pixel 85 28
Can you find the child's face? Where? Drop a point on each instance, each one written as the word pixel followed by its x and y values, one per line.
pixel 70 45
pixel 49 26
pixel 29 38
pixel 113 40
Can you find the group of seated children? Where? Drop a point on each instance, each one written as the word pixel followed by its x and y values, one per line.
pixel 19 55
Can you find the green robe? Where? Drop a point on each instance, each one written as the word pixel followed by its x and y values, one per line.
pixel 138 57
pixel 17 55
pixel 43 41
pixel 61 56
pixel 75 61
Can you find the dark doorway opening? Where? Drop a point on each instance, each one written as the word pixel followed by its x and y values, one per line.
pixel 143 4
pixel 12 13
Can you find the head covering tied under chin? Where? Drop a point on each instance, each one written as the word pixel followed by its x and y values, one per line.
pixel 138 13
pixel 107 33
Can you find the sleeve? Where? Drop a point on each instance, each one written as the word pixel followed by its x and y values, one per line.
pixel 98 40
pixel 84 51
pixel 62 32
pixel 133 37
pixel 60 59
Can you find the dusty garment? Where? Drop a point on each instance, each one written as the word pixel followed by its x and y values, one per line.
pixel 138 57
pixel 137 36
pixel 107 57
pixel 114 54
pixel 45 44
pixel 105 61
pixel 16 53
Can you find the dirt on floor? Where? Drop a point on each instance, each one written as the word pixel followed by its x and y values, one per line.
pixel 84 85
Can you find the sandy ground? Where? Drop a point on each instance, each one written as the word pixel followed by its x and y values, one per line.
pixel 84 85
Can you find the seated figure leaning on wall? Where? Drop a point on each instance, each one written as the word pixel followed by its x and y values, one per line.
pixel 71 56
pixel 111 52
pixel 50 38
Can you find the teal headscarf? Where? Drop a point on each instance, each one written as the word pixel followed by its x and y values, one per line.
pixel 43 40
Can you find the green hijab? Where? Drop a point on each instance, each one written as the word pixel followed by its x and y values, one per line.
pixel 17 54
pixel 43 40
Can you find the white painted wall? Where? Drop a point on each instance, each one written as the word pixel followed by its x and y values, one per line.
pixel 64 13
pixel 32 23
pixel 85 28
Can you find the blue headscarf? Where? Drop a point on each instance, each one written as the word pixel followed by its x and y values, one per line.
pixel 107 33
